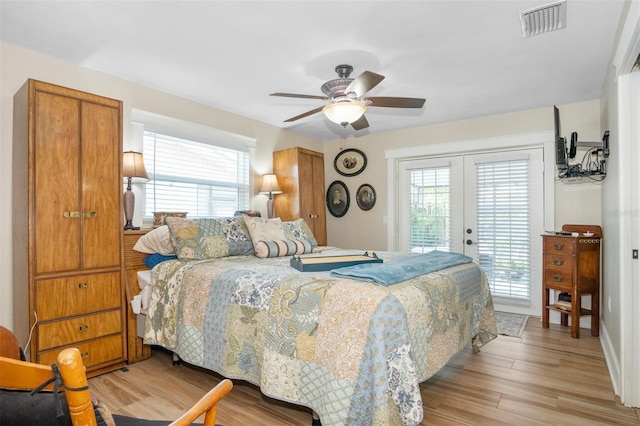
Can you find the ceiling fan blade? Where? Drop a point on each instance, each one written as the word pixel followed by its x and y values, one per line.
pixel 363 83
pixel 360 123
pixel 392 102
pixel 304 114
pixel 295 95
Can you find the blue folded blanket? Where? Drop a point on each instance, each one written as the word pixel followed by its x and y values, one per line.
pixel 398 270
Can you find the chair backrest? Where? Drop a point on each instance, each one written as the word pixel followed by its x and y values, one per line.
pixel 76 387
pixel 22 375
pixel 9 346
pixel 207 405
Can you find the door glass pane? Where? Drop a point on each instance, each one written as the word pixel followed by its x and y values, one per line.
pixel 430 211
pixel 503 210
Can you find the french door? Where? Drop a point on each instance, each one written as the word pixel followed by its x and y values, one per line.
pixel 487 206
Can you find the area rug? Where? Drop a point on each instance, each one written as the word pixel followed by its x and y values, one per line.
pixel 510 324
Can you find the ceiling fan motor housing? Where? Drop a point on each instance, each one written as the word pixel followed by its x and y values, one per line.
pixel 335 88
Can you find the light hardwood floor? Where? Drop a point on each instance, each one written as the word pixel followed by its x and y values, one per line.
pixel 544 377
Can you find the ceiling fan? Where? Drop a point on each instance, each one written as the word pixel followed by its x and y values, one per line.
pixel 347 98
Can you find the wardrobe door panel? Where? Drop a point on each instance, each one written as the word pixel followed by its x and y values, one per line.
pixel 102 186
pixel 56 196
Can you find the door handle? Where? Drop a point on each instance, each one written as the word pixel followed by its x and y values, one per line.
pixel 469 242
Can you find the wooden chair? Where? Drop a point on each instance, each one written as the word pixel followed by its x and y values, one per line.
pixel 9 346
pixel 22 375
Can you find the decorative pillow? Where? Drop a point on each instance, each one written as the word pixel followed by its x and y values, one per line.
pixel 153 259
pixel 263 229
pixel 299 230
pixel 156 241
pixel 197 239
pixel 280 248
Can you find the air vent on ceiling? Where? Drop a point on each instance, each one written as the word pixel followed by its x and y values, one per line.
pixel 544 19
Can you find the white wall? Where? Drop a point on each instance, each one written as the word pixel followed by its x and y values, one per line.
pixel 578 203
pixel 17 65
pixel 620 333
pixel 575 204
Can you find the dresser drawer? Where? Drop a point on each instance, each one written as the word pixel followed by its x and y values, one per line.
pixel 95 352
pixel 78 329
pixel 560 245
pixel 559 278
pixel 77 295
pixel 558 261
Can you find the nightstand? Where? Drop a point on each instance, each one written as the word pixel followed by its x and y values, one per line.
pixel 133 262
pixel 571 264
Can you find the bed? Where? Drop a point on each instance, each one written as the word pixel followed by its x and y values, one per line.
pixel 349 346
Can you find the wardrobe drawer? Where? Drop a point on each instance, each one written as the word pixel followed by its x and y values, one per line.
pixel 77 295
pixel 95 352
pixel 78 329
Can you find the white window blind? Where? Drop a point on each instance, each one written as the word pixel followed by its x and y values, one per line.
pixel 503 211
pixel 430 211
pixel 187 176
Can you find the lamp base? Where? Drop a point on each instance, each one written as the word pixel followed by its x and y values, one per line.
pixel 129 227
pixel 270 208
pixel 129 200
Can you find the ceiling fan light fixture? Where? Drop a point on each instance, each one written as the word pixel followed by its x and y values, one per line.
pixel 344 112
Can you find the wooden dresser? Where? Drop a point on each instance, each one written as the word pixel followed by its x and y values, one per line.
pixel 67 221
pixel 134 262
pixel 301 177
pixel 571 264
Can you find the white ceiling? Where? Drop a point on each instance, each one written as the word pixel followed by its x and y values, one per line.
pixel 467 58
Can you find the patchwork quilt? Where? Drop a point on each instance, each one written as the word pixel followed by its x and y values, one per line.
pixel 353 351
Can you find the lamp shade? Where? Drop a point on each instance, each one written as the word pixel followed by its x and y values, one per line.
pixel 345 112
pixel 270 185
pixel 133 166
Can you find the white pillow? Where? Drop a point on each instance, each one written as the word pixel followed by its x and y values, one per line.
pixel 156 241
pixel 263 229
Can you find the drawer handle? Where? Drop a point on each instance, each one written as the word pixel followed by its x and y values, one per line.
pixel 83 328
pixel 85 355
pixel 89 214
pixel 82 285
pixel 558 246
pixel 558 278
pixel 558 262
pixel 71 214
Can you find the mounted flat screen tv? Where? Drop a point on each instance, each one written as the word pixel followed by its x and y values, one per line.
pixel 561 143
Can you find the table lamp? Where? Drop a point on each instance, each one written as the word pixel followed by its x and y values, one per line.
pixel 132 167
pixel 270 186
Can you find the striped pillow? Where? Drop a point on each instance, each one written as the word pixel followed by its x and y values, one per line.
pixel 280 248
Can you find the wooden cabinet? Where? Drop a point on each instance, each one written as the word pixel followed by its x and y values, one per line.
pixel 301 177
pixel 134 262
pixel 571 264
pixel 67 206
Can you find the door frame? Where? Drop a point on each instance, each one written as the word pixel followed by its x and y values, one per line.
pixel 543 139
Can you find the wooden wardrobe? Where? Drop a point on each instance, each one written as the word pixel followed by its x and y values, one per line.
pixel 68 221
pixel 300 174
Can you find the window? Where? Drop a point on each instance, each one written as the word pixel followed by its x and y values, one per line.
pixel 199 178
pixel 503 223
pixel 430 221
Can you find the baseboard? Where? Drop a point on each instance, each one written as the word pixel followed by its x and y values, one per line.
pixel 611 358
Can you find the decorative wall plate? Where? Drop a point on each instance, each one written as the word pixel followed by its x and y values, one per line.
pixel 350 162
